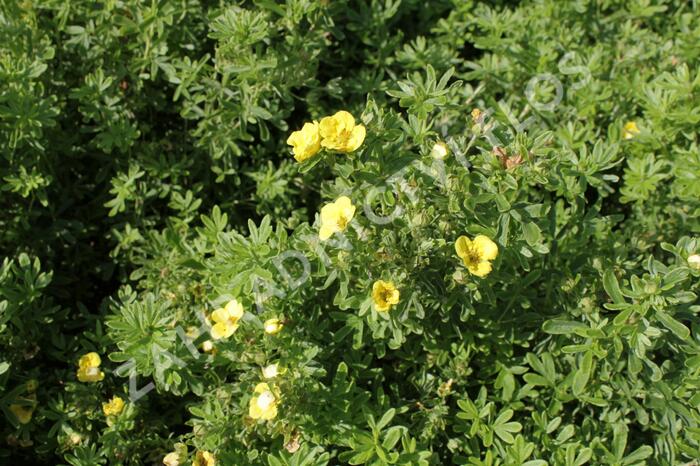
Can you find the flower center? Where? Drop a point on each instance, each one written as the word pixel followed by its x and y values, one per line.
pixel 473 256
pixel 265 400
pixel 385 295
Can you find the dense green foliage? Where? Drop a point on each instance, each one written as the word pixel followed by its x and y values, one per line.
pixel 146 181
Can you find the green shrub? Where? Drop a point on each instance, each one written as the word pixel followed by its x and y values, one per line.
pixel 490 258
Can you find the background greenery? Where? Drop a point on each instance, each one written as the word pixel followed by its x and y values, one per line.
pixel 144 175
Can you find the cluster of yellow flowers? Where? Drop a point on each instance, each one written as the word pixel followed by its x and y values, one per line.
pixel 338 132
pixel 476 254
pixel 226 322
pixel 179 457
pixel 263 404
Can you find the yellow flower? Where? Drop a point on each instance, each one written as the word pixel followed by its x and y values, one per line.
pixel 694 261
pixel 335 217
pixel 89 368
pixel 476 114
pixel 75 439
pixel 177 457
pixel 204 458
pixel 226 319
pixel 270 372
pixel 306 142
pixel 384 295
pixel 439 151
pixel 339 132
pixel 113 407
pixel 171 459
pixel 273 326
pixel 477 254
pixel 263 405
pixel 630 130
pixel 22 412
pixel 208 347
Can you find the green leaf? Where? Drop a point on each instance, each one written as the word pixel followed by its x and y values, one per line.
pixel 533 234
pixel 562 327
pixel 612 287
pixel 680 330
pixel 582 374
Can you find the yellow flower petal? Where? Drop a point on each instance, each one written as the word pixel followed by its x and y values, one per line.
pixel 222 330
pixel 480 269
pixel 326 232
pixel 91 359
pixel 220 315
pixel 262 387
pixel 234 309
pixel 462 246
pixel 90 374
pixel 254 410
pixel 22 412
pixel 487 249
pixel 345 120
pixel 270 413
pixel 329 212
pixel 357 137
pixel 204 458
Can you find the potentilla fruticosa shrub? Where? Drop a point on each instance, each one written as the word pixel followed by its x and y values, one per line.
pixel 350 232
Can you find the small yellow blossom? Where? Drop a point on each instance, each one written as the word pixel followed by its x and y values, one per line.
pixel 339 132
pixel 75 438
pixel 226 319
pixel 177 457
pixel 270 372
pixel 208 346
pixel 204 458
pixel 306 142
pixel 694 261
pixel 22 412
pixel 335 217
pixel 273 326
pixel 439 151
pixel 263 404
pixel 384 295
pixel 171 459
pixel 476 114
pixel 113 407
pixel 89 368
pixel 477 254
pixel 630 130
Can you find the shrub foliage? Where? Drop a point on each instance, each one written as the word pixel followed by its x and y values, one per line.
pixel 489 257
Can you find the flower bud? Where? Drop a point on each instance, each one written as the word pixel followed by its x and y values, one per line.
pixel 439 151
pixel 694 261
